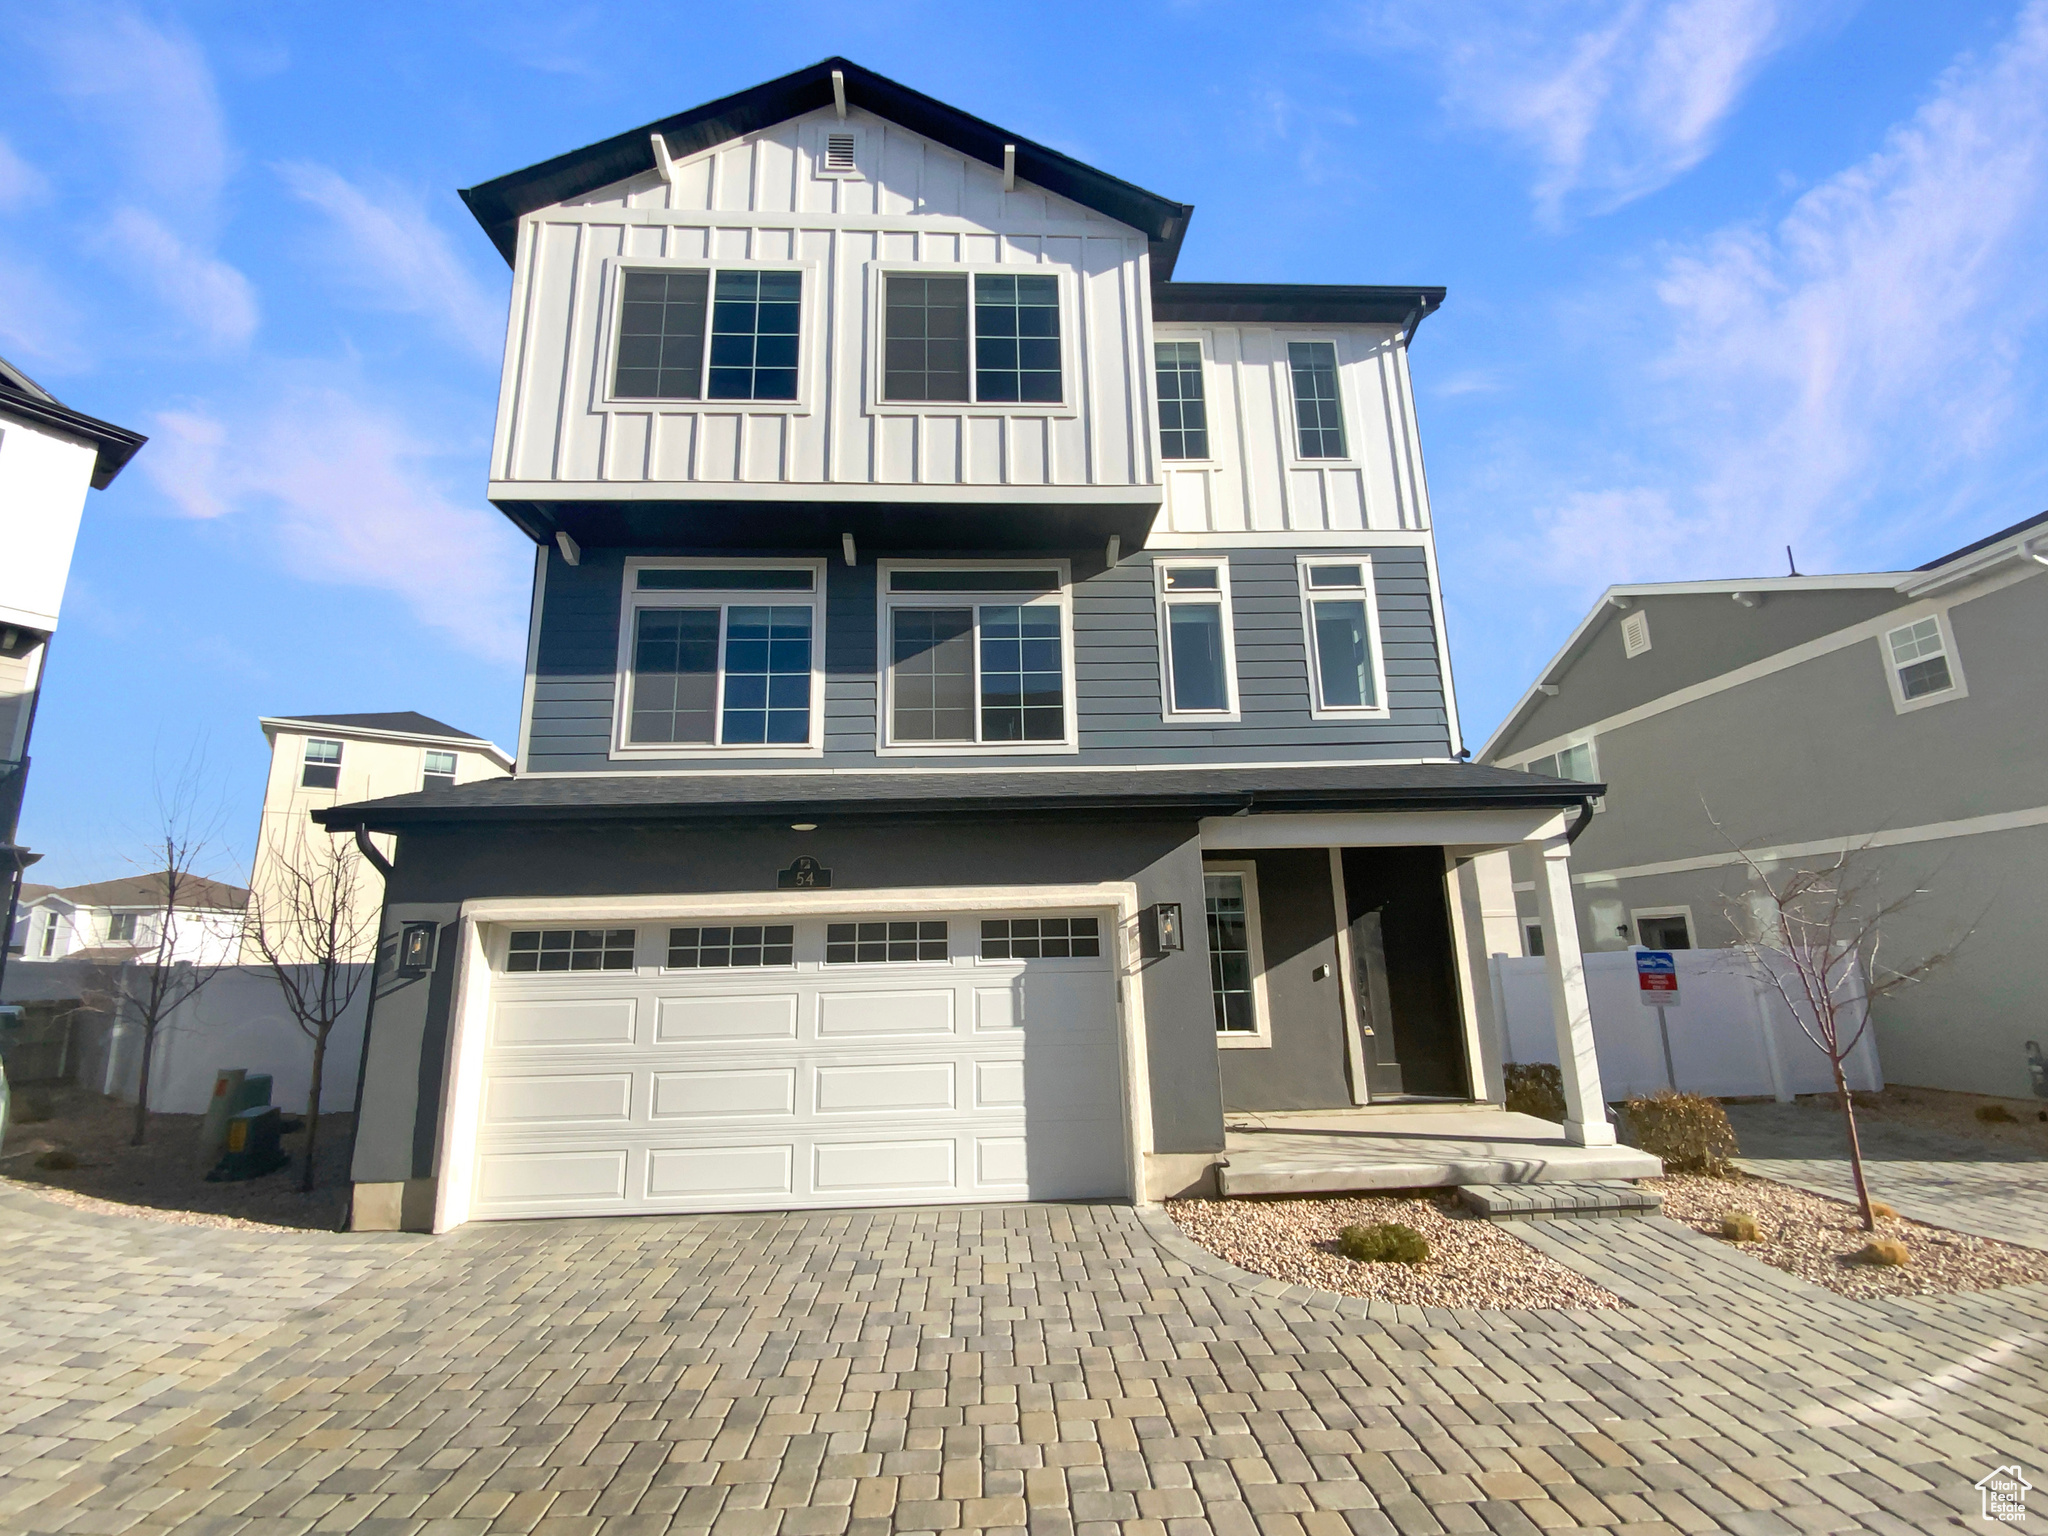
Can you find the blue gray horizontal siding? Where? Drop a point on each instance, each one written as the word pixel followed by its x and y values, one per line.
pixel 1116 654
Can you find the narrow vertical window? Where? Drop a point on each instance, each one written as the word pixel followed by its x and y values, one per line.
pixel 1343 635
pixel 1195 627
pixel 924 354
pixel 1183 409
pixel 1016 338
pixel 661 336
pixel 1233 954
pixel 1318 415
pixel 754 336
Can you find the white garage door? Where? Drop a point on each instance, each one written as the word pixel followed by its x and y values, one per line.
pixel 698 1066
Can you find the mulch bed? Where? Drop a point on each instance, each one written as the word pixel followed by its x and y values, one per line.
pixel 1814 1238
pixel 1473 1263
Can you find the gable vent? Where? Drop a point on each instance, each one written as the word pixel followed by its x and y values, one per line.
pixel 1635 633
pixel 839 152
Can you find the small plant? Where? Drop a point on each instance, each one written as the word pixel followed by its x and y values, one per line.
pixel 1740 1227
pixel 1689 1131
pixel 1534 1088
pixel 1384 1242
pixel 1994 1114
pixel 1885 1252
pixel 1880 1210
pixel 58 1161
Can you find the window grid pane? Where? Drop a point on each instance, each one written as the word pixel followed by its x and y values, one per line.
pixel 675 675
pixel 1183 412
pixel 440 765
pixel 571 949
pixel 1230 956
pixel 754 336
pixel 1016 338
pixel 767 676
pixel 1023 686
pixel 1040 938
pixel 1318 417
pixel 1343 654
pixel 881 943
pixel 661 336
pixel 924 354
pixel 742 944
pixel 932 656
pixel 1924 677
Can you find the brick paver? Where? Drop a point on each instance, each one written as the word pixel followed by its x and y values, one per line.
pixel 1058 1370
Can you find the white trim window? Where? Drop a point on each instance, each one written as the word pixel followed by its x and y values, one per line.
pixel 1183 403
pixel 979 656
pixel 1580 761
pixel 1662 927
pixel 1198 652
pixel 438 767
pixel 721 658
pixel 1920 663
pixel 321 765
pixel 962 336
pixel 1237 961
pixel 1341 612
pixel 1318 401
pixel 707 332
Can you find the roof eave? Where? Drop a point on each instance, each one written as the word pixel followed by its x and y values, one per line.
pixel 114 446
pixel 1293 304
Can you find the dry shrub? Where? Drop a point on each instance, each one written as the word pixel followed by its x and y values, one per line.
pixel 1384 1242
pixel 1884 1252
pixel 1689 1131
pixel 1535 1088
pixel 1880 1210
pixel 1994 1114
pixel 1740 1227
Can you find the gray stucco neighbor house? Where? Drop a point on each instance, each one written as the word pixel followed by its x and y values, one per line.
pixel 987 709
pixel 1900 712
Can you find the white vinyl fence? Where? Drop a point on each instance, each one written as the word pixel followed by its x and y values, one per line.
pixel 238 1019
pixel 1731 1034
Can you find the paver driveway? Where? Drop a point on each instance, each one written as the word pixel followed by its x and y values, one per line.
pixel 1040 1367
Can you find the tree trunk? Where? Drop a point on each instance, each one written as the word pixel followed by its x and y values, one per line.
pixel 313 1108
pixel 1855 1147
pixel 142 1088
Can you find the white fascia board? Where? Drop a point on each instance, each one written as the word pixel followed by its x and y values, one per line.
pixel 852 494
pixel 1382 829
pixel 272 724
pixel 1976 565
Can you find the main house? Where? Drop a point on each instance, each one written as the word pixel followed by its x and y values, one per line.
pixel 1899 714
pixel 987 708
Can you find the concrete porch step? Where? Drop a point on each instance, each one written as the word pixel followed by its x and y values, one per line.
pixel 1535 1202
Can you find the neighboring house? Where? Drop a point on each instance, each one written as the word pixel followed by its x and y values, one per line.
pixel 17 936
pixel 119 922
pixel 50 455
pixel 987 709
pixel 1905 710
pixel 321 760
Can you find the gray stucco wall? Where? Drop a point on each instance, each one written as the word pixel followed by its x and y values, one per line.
pixel 437 870
pixel 1304 1067
pixel 1116 659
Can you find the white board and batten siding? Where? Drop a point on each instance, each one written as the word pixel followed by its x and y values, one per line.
pixel 757 199
pixel 802 1086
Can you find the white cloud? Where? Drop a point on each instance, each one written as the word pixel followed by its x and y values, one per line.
pixel 401 259
pixel 204 293
pixel 1847 365
pixel 39 325
pixel 1612 98
pixel 354 496
pixel 20 182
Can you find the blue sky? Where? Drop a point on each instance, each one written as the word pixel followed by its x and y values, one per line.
pixel 1724 275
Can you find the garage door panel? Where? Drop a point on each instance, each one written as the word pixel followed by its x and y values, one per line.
pixel 901 1087
pixel 998 1085
pixel 563 1021
pixel 726 1016
pixel 554 1098
pixel 924 1011
pixel 885 1167
pixel 1002 1162
pixel 545 1178
pixel 996 1009
pixel 717 1095
pixel 687 1173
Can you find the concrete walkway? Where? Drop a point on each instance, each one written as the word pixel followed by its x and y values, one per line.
pixel 1327 1151
pixel 1056 1370
pixel 1963 1184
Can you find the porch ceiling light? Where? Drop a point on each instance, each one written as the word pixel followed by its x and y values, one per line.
pixel 803 826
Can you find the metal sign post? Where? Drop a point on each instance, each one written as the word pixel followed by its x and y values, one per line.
pixel 1657 986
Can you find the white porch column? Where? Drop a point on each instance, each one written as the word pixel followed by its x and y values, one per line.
pixel 1585 1108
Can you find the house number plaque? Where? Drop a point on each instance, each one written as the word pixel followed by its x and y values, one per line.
pixel 805 874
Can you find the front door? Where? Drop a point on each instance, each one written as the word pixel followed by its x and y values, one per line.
pixel 1405 976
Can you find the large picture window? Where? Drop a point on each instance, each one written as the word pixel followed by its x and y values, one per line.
pixel 1347 675
pixel 1318 407
pixel 998 331
pixel 751 318
pixel 1198 674
pixel 721 657
pixel 977 657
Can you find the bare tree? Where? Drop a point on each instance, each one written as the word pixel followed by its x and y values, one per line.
pixel 1816 935
pixel 311 928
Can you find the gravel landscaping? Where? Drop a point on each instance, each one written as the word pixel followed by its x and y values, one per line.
pixel 1473 1263
pixel 1814 1238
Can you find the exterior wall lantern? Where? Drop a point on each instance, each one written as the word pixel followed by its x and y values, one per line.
pixel 416 948
pixel 1159 929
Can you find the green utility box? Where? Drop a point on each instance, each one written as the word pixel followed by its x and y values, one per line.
pixel 252 1146
pixel 234 1090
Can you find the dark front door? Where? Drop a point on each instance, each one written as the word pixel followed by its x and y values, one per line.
pixel 1405 981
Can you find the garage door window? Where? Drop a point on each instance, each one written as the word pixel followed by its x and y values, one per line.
pixel 875 943
pixel 744 944
pixel 571 949
pixel 1039 938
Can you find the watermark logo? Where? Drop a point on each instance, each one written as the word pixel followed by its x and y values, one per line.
pixel 2005 1494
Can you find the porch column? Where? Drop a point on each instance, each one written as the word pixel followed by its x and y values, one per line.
pixel 1585 1107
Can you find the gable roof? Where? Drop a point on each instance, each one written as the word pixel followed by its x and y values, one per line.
pixel 22 396
pixel 196 893
pixel 499 203
pixel 407 722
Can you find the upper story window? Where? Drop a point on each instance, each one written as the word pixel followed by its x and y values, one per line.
pixel 121 928
pixel 1347 675
pixel 720 656
pixel 1318 410
pixel 322 766
pixel 749 316
pixel 1195 635
pixel 1920 662
pixel 1183 408
pixel 1574 762
pixel 1001 330
pixel 977 657
pixel 440 768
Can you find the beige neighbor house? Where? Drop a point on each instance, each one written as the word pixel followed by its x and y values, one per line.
pixel 119 922
pixel 317 761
